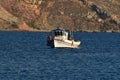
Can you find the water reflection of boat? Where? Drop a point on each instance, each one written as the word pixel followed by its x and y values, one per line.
pixel 59 38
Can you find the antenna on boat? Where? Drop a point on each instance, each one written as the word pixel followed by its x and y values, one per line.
pixel 71 35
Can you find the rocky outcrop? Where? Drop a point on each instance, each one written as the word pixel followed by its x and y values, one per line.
pixel 76 15
pixel 24 27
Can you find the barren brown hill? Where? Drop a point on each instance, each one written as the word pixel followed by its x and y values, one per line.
pixel 76 15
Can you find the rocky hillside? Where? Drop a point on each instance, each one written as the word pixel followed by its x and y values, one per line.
pixel 76 15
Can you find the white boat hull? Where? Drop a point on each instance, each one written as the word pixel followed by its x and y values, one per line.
pixel 66 43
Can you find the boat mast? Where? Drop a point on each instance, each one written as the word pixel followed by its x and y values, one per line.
pixel 71 34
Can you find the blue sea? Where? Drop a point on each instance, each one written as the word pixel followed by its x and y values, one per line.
pixel 25 56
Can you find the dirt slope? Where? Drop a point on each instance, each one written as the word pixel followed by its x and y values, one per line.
pixel 76 15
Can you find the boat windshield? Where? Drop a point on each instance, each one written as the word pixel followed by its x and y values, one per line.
pixel 59 33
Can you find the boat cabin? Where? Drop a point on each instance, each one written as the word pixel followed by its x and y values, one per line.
pixel 60 34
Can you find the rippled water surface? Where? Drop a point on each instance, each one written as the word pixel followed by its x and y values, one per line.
pixel 25 56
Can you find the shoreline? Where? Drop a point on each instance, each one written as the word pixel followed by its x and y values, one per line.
pixel 27 30
pixel 50 31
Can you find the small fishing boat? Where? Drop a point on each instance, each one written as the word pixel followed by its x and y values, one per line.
pixel 60 38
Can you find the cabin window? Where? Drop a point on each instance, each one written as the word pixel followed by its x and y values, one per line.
pixel 59 33
pixel 56 33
